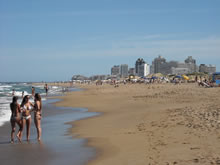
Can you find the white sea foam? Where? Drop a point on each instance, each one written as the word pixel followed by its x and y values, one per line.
pixel 5 112
pixel 19 93
pixel 4 100
pixel 39 86
pixel 4 116
pixel 6 86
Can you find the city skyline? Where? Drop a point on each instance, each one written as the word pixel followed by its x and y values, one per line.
pixel 51 40
pixel 187 66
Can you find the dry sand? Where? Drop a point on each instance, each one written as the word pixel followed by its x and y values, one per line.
pixel 156 124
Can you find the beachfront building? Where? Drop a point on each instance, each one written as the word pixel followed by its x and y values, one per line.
pixel 190 60
pixel 152 68
pixel 79 77
pixel 124 70
pixel 143 70
pixel 115 70
pixel 210 69
pixel 131 71
pixel 99 77
pixel 183 68
pixel 179 71
pixel 190 63
pixel 138 63
pixel 160 65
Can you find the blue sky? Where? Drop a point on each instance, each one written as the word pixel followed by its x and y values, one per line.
pixel 51 40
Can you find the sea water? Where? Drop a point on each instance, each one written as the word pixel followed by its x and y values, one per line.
pixel 6 90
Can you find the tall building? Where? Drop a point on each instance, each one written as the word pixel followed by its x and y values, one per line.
pixel 179 71
pixel 173 67
pixel 207 68
pixel 158 64
pixel 115 70
pixel 191 64
pixel 124 70
pixel 152 68
pixel 190 60
pixel 143 70
pixel 138 63
pixel 131 71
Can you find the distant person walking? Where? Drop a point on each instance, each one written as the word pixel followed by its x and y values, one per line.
pixel 26 107
pixel 15 119
pixel 37 114
pixel 46 89
pixel 33 91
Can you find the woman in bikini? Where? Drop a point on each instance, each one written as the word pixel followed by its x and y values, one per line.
pixel 15 119
pixel 37 114
pixel 26 107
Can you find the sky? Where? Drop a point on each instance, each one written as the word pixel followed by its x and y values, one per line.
pixel 51 40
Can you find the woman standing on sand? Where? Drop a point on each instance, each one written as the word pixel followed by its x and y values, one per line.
pixel 15 118
pixel 26 107
pixel 37 114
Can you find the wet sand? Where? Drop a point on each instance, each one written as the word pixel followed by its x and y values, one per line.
pixel 57 146
pixel 150 124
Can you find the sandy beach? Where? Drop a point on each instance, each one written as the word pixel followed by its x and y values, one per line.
pixel 149 124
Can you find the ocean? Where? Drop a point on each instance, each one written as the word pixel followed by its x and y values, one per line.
pixel 6 90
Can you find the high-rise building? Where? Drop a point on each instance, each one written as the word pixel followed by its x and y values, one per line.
pixel 207 68
pixel 179 71
pixel 131 71
pixel 143 70
pixel 190 60
pixel 124 70
pixel 158 64
pixel 115 70
pixel 152 68
pixel 138 63
pixel 191 64
pixel 174 67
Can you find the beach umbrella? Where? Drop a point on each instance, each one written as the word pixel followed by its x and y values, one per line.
pixel 178 76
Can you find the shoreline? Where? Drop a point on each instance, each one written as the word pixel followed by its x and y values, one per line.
pixel 150 124
pixel 57 145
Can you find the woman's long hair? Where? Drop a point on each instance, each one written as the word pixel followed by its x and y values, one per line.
pixel 25 100
pixel 38 98
pixel 14 103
